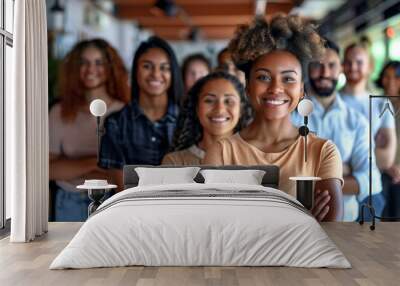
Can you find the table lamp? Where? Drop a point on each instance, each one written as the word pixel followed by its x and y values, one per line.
pixel 305 184
pixel 97 188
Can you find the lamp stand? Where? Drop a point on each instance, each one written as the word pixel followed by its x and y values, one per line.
pixel 98 131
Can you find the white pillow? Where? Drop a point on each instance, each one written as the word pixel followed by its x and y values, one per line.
pixel 249 177
pixel 163 176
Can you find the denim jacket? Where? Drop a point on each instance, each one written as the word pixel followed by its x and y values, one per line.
pixel 131 138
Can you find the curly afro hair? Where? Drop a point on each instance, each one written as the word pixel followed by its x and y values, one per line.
pixel 288 33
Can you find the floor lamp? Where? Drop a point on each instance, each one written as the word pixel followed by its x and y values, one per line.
pixel 305 184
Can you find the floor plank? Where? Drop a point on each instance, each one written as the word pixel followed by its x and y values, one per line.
pixel 374 255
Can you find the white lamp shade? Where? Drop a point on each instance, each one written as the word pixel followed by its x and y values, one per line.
pixel 305 107
pixel 98 107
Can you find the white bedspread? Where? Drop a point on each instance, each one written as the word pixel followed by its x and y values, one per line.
pixel 239 227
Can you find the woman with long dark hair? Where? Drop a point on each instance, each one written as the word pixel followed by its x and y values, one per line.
pixel 216 107
pixel 141 133
pixel 92 70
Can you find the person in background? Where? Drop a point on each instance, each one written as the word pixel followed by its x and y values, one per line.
pixel 141 133
pixel 194 67
pixel 214 110
pixel 274 56
pixel 92 70
pixel 357 67
pixel 226 64
pixel 389 80
pixel 332 119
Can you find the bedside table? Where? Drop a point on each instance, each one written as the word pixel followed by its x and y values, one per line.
pixel 96 193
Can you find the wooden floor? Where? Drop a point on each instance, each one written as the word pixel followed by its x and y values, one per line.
pixel 374 255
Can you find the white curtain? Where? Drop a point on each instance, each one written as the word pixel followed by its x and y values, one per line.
pixel 27 124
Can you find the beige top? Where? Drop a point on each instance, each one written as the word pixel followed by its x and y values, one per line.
pixel 190 156
pixel 323 159
pixel 75 139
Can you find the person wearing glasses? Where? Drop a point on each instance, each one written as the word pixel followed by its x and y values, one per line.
pixel 91 70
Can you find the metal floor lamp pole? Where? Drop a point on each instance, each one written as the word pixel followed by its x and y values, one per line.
pixel 369 205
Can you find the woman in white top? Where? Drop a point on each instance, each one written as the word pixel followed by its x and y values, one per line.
pixel 91 70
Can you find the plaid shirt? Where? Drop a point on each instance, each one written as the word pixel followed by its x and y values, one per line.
pixel 131 138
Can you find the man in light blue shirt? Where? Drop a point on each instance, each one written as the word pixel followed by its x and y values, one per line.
pixel 357 67
pixel 332 119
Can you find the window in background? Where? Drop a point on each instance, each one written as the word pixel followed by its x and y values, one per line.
pixel 8 86
pixel 2 68
pixel 6 64
pixel 9 15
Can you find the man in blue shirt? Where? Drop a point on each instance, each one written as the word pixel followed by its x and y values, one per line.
pixel 357 68
pixel 348 129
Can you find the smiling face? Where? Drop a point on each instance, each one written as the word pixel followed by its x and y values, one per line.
pixel 196 70
pixel 356 65
pixel 92 71
pixel 391 82
pixel 324 74
pixel 154 73
pixel 275 85
pixel 218 107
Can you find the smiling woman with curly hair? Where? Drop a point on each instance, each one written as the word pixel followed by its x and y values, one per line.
pixel 216 107
pixel 274 56
pixel 91 70
pixel 73 90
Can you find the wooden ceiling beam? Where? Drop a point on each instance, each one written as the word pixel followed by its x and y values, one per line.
pixel 222 10
pixel 199 21
pixel 216 19
pixel 207 33
pixel 133 11
pixel 187 2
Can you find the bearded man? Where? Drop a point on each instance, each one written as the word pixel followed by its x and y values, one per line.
pixel 333 119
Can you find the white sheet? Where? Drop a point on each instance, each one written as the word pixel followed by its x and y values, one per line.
pixel 182 231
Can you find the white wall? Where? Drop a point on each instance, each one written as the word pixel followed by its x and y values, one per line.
pixel 208 48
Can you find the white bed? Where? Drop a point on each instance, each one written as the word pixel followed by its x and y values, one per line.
pixel 201 224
